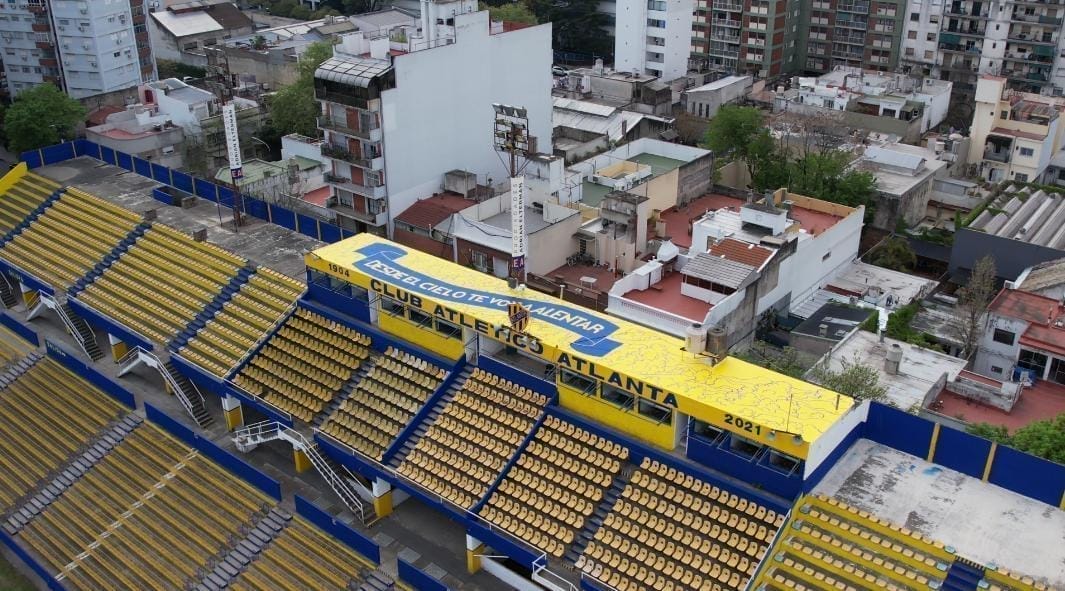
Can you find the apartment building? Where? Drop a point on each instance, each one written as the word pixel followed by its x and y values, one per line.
pixel 403 106
pixel 86 48
pixel 755 37
pixel 855 33
pixel 1014 134
pixel 653 37
pixel 1018 40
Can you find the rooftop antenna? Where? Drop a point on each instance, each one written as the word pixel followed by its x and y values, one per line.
pixel 511 137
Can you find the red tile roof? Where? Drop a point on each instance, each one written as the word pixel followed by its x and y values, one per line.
pixel 431 211
pixel 1029 307
pixel 742 252
pixel 1021 134
pixel 99 115
pixel 318 196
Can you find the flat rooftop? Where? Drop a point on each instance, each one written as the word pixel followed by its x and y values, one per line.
pixel 918 372
pixel 665 295
pixel 983 522
pixel 534 220
pixel 260 241
pixel 659 164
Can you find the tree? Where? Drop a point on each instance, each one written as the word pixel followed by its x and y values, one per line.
pixel 1045 439
pixel 973 300
pixel 41 116
pixel 855 379
pixel 739 131
pixel 577 25
pixel 515 12
pixel 896 254
pixel 293 108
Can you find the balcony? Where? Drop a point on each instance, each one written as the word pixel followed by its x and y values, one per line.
pixel 1035 39
pixel 1031 57
pixel 374 219
pixel 852 24
pixel 841 37
pixel 376 162
pixel 376 192
pixel 724 52
pixel 1028 75
pixel 1037 18
pixel 374 134
pixel 757 26
pixel 822 6
pixel 970 31
pixel 958 11
pixel 858 7
pixel 729 6
pixel 721 22
pixel 960 66
pixel 952 43
pixel 997 155
pixel 847 55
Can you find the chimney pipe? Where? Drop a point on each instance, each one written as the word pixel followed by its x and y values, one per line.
pixel 893 360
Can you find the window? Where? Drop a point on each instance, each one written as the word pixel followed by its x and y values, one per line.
pixel 449 330
pixel 653 22
pixel 911 34
pixel 420 318
pixel 930 37
pixel 1027 151
pixel 578 382
pixel 1021 177
pixel 117 54
pixel 826 255
pixel 909 51
pixel 1003 336
pixel 391 306
pixel 656 5
pixel 479 260
pixel 617 397
pixel 743 446
pixel 928 55
pixel 996 369
pixel 1035 362
pixel 705 430
pixel 915 16
pixel 658 413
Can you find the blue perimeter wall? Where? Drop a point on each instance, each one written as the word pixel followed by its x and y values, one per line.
pixel 268 485
pixel 418 579
pixel 338 530
pixel 20 329
pixel 225 196
pixel 89 373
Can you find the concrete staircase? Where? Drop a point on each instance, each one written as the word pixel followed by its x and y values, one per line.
pixel 412 440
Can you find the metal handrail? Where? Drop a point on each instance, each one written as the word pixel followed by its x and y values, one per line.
pixel 182 396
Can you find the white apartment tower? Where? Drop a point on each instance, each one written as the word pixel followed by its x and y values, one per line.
pixel 86 47
pixel 653 37
pixel 402 107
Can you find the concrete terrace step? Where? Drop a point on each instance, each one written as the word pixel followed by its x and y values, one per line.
pixel 376 580
pixel 20 367
pixel 56 483
pixel 225 567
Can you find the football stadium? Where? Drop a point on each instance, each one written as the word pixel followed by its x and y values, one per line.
pixel 285 405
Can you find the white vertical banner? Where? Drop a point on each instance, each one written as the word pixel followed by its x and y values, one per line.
pixel 517 223
pixel 229 122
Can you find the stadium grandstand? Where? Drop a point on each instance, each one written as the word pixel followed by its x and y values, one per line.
pixel 569 449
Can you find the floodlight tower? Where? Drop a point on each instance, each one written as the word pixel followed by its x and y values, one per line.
pixel 511 136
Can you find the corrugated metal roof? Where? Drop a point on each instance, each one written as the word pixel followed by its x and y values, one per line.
pixel 586 107
pixel 719 84
pixel 719 270
pixel 897 158
pixel 185 24
pixel 612 125
pixel 352 71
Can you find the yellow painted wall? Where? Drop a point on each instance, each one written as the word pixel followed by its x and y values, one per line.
pixel 423 337
pixel 13 176
pixel 631 423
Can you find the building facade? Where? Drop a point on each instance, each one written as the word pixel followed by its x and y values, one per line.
pixel 755 37
pixel 653 37
pixel 85 48
pixel 1014 135
pixel 400 108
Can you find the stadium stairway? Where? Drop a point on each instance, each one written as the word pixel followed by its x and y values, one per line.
pixel 221 570
pixel 345 392
pixel 610 498
pixel 377 580
pixel 199 412
pixel 111 257
pixel 18 368
pixel 964 575
pixel 209 311
pixel 65 476
pixel 409 444
pixel 8 293
pixel 88 338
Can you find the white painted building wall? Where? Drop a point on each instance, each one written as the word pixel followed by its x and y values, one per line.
pixel 816 260
pixel 827 443
pixel 991 354
pixel 97 47
pixel 439 117
pixel 653 37
pixel 920 45
pixel 85 37
pixel 994 45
